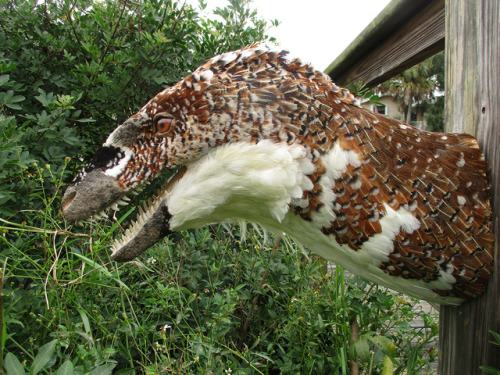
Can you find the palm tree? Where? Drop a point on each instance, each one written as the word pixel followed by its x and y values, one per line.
pixel 414 85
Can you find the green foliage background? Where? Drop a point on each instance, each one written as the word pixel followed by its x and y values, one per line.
pixel 213 302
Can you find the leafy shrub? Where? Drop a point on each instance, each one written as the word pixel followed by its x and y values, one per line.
pixel 211 302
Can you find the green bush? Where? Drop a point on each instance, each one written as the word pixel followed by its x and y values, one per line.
pixel 212 302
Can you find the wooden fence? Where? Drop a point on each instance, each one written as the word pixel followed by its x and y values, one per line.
pixel 404 34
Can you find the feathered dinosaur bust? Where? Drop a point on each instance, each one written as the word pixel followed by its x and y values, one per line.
pixel 258 137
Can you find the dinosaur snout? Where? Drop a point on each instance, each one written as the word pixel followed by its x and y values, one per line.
pixel 90 196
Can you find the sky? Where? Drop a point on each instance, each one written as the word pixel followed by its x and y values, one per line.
pixel 317 31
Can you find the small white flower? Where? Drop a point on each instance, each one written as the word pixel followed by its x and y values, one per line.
pixel 151 260
pixel 165 327
pixel 229 371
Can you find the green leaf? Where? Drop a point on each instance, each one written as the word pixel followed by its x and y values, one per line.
pixel 265 357
pixel 4 68
pixel 66 368
pixel 240 287
pixel 17 99
pixel 387 366
pixel 384 344
pixel 44 98
pixel 9 99
pixel 362 348
pixel 106 369
pixel 489 370
pixel 4 326
pixel 12 365
pixel 496 337
pixel 85 120
pixel 321 323
pixel 43 357
pixel 85 320
pixel 4 79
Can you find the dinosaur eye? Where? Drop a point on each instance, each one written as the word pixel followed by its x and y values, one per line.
pixel 163 125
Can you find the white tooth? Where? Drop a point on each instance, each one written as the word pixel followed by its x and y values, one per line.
pixel 125 198
pixel 115 207
pixel 122 203
pixel 103 215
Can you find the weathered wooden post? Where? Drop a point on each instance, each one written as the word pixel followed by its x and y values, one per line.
pixel 473 106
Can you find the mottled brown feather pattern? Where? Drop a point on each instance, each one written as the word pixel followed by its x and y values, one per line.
pixel 440 178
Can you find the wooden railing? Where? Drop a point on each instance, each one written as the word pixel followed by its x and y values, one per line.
pixel 404 34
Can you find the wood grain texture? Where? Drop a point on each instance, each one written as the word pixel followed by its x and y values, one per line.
pixel 473 106
pixel 409 39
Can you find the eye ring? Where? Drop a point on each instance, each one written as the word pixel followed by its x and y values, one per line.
pixel 163 125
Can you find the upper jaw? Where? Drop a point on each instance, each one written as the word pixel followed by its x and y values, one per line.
pixel 94 193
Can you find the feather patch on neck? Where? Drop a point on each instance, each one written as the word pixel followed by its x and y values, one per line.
pixel 241 180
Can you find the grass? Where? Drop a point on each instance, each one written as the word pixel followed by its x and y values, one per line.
pixel 209 302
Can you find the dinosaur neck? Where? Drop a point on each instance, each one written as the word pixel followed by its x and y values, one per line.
pixel 265 183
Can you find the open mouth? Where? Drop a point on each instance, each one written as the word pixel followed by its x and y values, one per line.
pixel 88 198
pixel 152 224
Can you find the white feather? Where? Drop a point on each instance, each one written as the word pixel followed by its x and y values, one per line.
pixel 241 180
pixel 117 169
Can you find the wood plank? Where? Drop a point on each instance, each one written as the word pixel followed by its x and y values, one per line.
pixel 473 106
pixel 406 42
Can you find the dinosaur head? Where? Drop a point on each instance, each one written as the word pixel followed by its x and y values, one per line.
pixel 171 130
pixel 241 96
